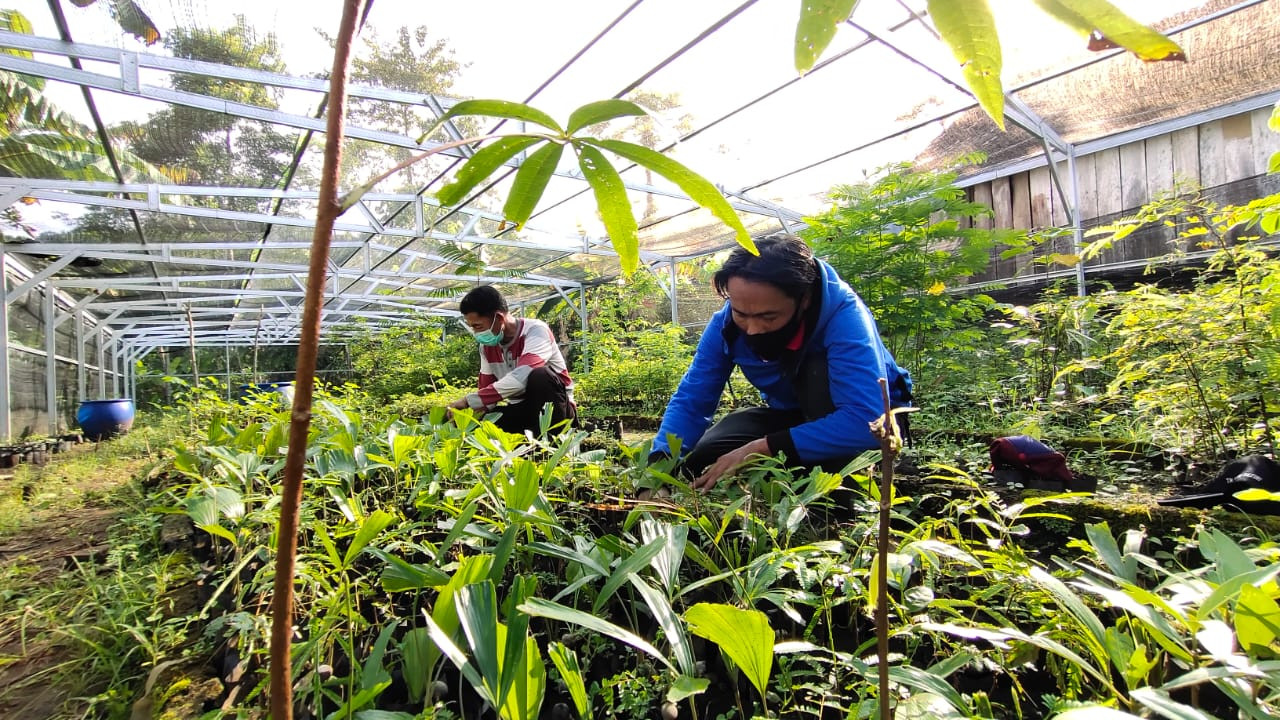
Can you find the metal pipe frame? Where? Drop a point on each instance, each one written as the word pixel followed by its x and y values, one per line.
pixel 127 82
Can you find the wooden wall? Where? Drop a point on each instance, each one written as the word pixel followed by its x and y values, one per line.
pixel 1115 183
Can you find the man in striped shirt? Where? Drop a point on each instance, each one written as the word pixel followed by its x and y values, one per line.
pixel 521 368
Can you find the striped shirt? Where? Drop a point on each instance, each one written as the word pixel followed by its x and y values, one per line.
pixel 505 368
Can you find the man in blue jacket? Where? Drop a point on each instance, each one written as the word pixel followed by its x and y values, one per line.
pixel 807 342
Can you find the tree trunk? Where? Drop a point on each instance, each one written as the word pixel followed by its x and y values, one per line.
pixel 328 209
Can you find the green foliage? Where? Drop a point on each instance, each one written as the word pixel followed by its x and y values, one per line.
pixel 392 362
pixel 606 184
pixel 632 372
pixel 967 27
pixel 39 140
pixel 1202 365
pixel 899 241
pixel 432 542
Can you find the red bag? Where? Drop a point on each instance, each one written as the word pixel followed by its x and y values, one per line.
pixel 1023 452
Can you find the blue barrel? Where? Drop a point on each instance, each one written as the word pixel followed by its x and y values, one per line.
pixel 102 419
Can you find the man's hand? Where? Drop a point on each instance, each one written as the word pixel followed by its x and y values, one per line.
pixel 729 463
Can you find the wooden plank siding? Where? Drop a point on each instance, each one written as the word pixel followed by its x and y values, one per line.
pixel 1116 182
pixel 1088 187
pixel 1266 141
pixel 1213 166
pixel 1186 155
pixel 1237 147
pixel 1002 204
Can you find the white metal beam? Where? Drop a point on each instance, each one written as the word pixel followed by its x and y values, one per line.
pixel 115 84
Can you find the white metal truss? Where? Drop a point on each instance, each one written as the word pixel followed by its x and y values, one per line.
pixel 383 278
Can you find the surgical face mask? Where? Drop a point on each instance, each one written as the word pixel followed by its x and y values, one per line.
pixel 488 338
pixel 770 345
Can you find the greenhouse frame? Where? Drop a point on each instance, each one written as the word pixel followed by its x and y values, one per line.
pixel 190 264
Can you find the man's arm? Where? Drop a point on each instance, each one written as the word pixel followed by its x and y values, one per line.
pixel 538 347
pixel 689 413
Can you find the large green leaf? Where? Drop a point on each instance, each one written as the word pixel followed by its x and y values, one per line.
pixel 416 656
pixel 400 574
pixel 614 206
pixel 1104 543
pixel 566 661
pixel 444 644
pixel 744 635
pixel 478 614
pixel 531 180
pixel 369 529
pixel 471 569
pixel 481 165
pixel 212 504
pixel 667 619
pixel 970 31
pixel 528 686
pixel 538 607
pixel 1116 28
pixel 601 111
pixel 817 26
pixel 1257 620
pixel 698 188
pixel 495 108
pixel 512 661
pixel 633 564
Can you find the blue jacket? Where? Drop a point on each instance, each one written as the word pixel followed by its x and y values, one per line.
pixel 856 360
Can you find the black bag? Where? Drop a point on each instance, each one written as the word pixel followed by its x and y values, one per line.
pixel 1245 473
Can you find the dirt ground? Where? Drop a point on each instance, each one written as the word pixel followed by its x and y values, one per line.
pixel 53 537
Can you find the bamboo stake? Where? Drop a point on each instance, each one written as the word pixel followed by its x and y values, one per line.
pixel 329 208
pixel 886 430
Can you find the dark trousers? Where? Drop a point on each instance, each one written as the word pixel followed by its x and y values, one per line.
pixel 741 427
pixel 544 386
pixel 813 388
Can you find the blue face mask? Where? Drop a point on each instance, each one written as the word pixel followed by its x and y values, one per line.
pixel 488 338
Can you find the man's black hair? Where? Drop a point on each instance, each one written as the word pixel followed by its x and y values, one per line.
pixel 484 301
pixel 785 262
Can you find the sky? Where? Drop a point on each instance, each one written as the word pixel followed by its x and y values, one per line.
pixel 509 46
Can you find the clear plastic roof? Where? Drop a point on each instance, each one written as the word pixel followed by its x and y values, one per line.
pixel 221 238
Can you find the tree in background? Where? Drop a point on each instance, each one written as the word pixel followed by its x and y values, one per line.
pixel 411 61
pixel 212 148
pixel 899 240
pixel 646 131
pixel 39 140
pixel 414 358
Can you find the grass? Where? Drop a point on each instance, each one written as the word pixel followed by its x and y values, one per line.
pixel 88 602
pixel 86 477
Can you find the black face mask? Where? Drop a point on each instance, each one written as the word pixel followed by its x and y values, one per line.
pixel 770 345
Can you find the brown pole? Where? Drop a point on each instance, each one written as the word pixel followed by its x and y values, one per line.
pixel 327 212
pixel 888 451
